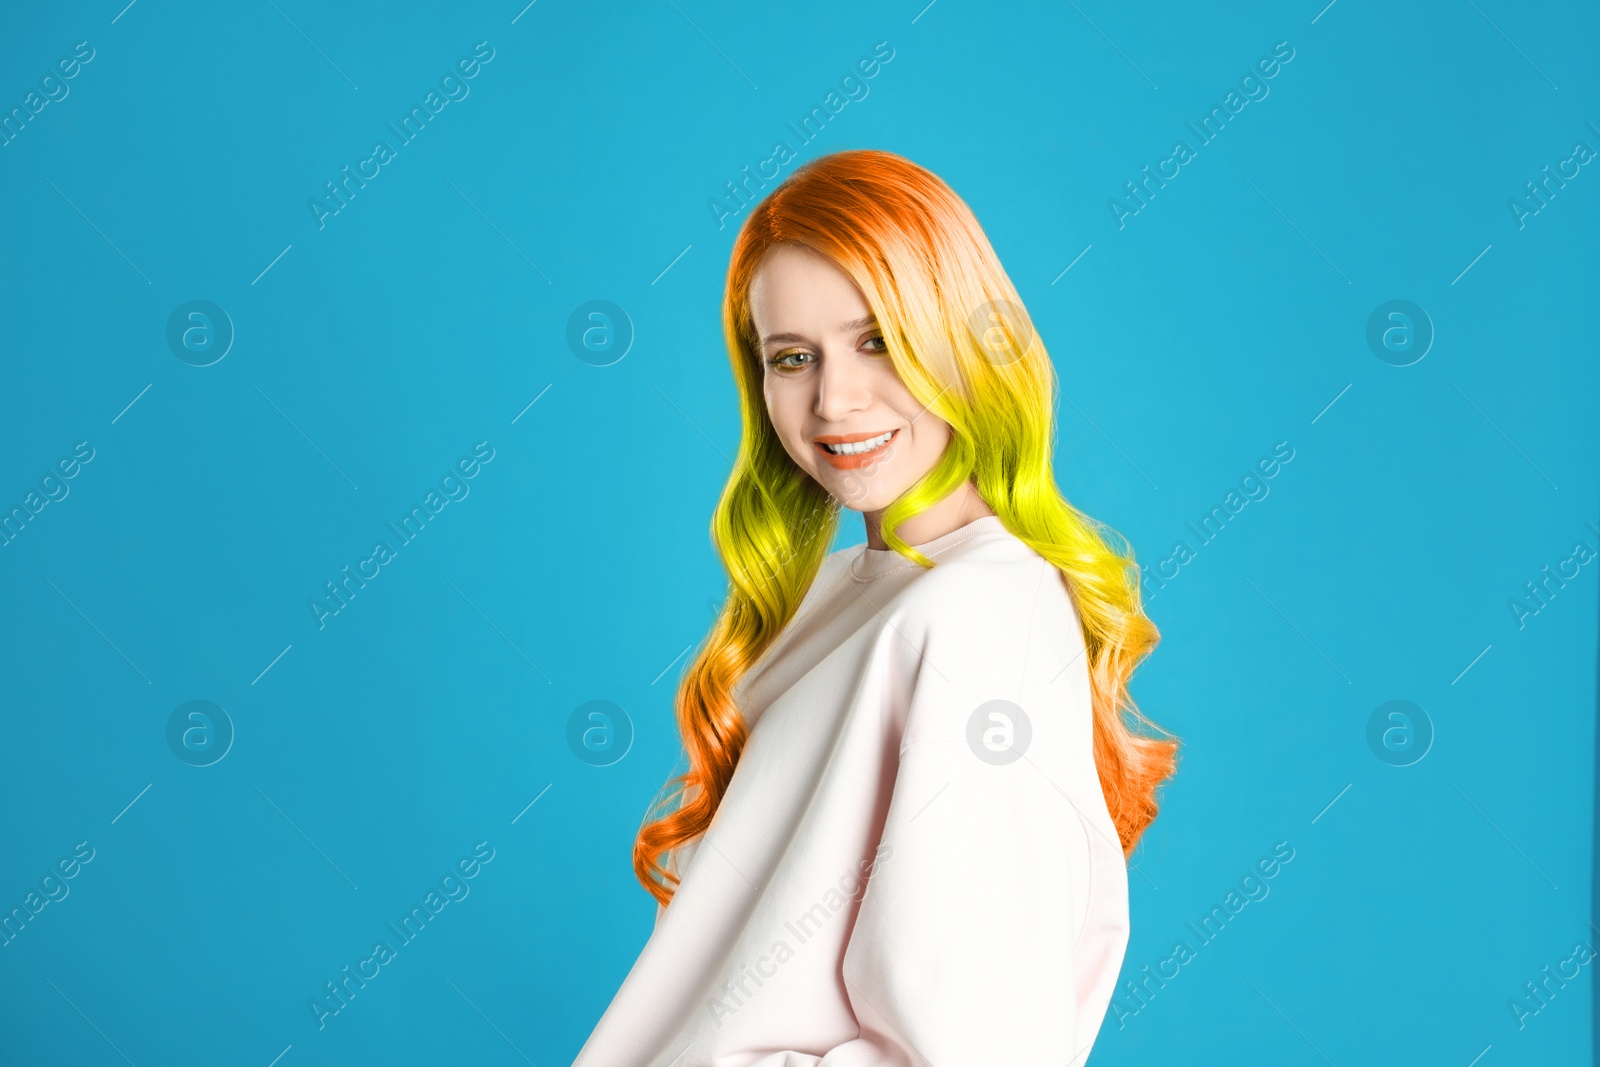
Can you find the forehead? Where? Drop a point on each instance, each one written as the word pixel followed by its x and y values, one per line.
pixel 797 289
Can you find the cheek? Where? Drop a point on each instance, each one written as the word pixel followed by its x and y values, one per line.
pixel 785 420
pixel 929 441
pixel 774 404
pixel 931 434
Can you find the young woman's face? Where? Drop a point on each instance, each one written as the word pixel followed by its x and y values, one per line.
pixel 828 380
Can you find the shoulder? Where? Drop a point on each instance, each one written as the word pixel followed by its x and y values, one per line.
pixel 993 585
pixel 833 567
pixel 993 622
pixel 835 562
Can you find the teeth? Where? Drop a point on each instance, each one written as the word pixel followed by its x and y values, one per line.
pixel 860 446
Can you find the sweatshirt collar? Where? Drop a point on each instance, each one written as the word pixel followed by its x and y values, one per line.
pixel 869 563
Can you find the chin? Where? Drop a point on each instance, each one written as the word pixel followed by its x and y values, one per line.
pixel 858 495
pixel 865 489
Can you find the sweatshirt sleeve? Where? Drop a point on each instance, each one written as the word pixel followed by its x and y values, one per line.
pixel 963 951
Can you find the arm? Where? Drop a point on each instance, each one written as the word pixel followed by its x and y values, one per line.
pixel 678 863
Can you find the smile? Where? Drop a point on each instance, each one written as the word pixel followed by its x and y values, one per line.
pixel 858 453
pixel 853 447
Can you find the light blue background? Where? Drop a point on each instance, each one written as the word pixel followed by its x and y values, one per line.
pixel 370 755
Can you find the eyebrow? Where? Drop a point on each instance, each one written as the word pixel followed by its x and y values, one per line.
pixel 844 327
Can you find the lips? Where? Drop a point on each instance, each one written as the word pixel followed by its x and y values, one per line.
pixel 858 459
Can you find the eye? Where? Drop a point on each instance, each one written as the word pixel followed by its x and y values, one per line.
pixel 878 337
pixel 780 359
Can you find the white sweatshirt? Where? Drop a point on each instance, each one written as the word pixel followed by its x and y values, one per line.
pixel 880 886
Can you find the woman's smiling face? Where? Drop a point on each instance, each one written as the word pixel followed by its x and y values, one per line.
pixel 828 381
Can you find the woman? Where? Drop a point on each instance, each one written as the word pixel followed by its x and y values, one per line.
pixel 912 791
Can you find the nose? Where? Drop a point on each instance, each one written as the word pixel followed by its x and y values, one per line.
pixel 842 386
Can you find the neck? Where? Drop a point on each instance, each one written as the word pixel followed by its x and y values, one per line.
pixel 953 512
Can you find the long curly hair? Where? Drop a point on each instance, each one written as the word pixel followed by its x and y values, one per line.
pixel 961 341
